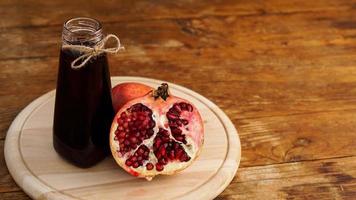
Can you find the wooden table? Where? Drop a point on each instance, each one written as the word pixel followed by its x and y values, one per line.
pixel 283 71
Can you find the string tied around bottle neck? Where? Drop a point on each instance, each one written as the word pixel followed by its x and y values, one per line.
pixel 90 52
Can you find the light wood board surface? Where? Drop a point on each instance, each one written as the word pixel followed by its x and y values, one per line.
pixel 43 174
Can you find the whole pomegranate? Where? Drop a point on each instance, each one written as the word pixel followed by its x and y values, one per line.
pixel 124 92
pixel 156 134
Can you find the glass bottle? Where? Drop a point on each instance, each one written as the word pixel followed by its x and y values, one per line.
pixel 83 108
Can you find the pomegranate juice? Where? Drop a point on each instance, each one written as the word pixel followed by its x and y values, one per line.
pixel 83 110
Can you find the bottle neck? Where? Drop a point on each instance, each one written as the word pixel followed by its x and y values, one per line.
pixel 82 31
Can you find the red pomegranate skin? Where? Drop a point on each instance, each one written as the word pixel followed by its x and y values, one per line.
pixel 125 92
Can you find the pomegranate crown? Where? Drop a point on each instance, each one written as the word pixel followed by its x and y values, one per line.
pixel 162 91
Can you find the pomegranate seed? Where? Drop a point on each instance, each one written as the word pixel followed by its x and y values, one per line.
pixel 133 158
pixel 171 155
pixel 142 128
pixel 171 125
pixel 128 163
pixel 179 123
pixel 158 142
pixel 137 123
pixel 122 135
pixel 179 138
pixel 133 139
pixel 177 108
pixel 189 107
pixel 139 158
pixel 162 151
pixel 184 158
pixel 171 116
pixel 136 134
pixel 176 146
pixel 123 115
pixel 149 166
pixel 126 125
pixel 120 128
pixel 152 124
pixel 159 167
pixel 162 161
pixel 126 142
pixel 184 121
pixel 146 154
pixel 140 151
pixel 179 153
pixel 133 146
pixel 176 131
pixel 165 133
pixel 150 132
pixel 166 139
pixel 183 106
pixel 135 165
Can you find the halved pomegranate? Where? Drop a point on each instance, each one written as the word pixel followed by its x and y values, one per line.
pixel 156 134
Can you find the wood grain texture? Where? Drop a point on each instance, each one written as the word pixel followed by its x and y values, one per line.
pixel 7 184
pixel 283 71
pixel 14 196
pixel 35 13
pixel 321 179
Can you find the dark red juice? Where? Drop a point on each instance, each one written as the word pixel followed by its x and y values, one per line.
pixel 83 110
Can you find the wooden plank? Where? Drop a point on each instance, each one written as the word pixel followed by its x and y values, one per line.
pixel 14 196
pixel 44 13
pixel 321 179
pixel 306 38
pixel 7 184
pixel 297 137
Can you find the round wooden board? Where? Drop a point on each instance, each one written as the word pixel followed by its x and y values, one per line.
pixel 42 174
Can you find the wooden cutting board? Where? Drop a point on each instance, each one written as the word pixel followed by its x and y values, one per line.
pixel 42 174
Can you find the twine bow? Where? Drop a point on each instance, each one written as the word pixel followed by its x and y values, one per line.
pixel 90 52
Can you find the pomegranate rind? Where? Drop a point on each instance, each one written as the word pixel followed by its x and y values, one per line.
pixel 195 135
pixel 125 92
